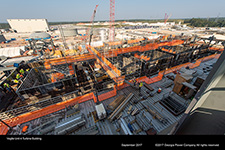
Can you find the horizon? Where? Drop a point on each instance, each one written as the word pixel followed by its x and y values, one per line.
pixel 119 19
pixel 81 11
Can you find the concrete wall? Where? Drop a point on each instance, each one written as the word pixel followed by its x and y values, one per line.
pixel 28 25
pixel 69 32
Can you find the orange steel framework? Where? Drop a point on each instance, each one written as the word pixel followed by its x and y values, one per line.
pixel 84 38
pixel 142 57
pixel 110 69
pixel 169 51
pixel 59 106
pixel 114 52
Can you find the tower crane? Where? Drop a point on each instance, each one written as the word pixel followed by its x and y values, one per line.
pixel 112 21
pixel 89 31
pixel 166 18
pixel 92 24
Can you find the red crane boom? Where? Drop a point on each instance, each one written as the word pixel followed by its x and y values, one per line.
pixel 112 21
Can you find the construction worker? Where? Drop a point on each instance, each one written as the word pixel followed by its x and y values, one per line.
pixel 17 82
pixel 21 76
pixel 27 70
pixel 140 85
pixel 8 88
pixel 134 81
pixel 17 76
pixel 22 71
pixel 159 90
pixel 6 85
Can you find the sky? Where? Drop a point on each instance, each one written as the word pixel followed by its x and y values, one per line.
pixel 81 10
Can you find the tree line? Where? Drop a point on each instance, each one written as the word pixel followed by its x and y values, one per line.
pixel 212 22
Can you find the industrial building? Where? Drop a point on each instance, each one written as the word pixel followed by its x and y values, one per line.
pixel 28 25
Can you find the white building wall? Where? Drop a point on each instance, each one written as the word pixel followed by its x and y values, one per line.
pixel 12 51
pixel 28 25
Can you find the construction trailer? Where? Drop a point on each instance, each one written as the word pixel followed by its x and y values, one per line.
pixel 101 113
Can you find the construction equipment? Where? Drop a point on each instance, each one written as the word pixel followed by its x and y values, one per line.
pixel 166 18
pixel 92 24
pixel 63 37
pixel 89 32
pixel 100 109
pixel 112 21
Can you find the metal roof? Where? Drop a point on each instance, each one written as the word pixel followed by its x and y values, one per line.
pixel 39 34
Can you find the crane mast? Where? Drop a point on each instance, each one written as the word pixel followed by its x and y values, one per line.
pixel 92 24
pixel 112 21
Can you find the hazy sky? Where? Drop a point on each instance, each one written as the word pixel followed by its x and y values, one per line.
pixel 81 10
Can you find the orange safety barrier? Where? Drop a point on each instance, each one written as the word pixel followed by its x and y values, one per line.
pixel 71 69
pixel 216 49
pixel 56 76
pixel 198 62
pixel 42 112
pixel 108 94
pixel 97 66
pixel 67 59
pixel 134 41
pixel 128 41
pixel 24 129
pixel 169 51
pixel 114 43
pixel 141 57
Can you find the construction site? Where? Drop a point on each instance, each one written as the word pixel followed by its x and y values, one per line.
pixel 141 85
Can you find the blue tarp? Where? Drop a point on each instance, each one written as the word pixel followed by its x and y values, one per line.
pixel 16 65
